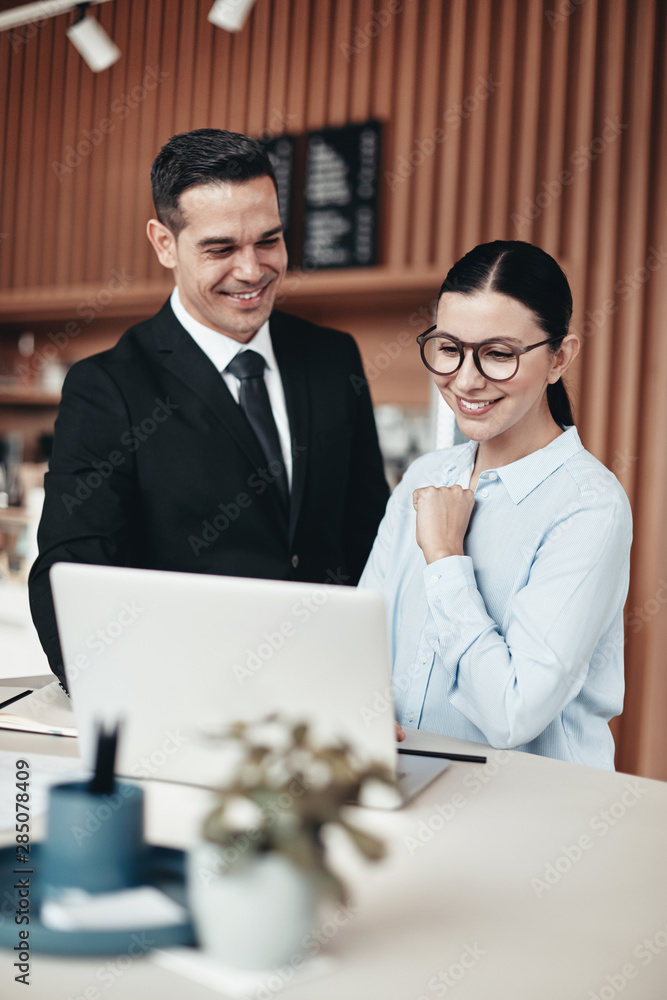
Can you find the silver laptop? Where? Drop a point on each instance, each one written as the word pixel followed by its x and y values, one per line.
pixel 177 656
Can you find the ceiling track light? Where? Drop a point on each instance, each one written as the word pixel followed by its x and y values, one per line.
pixel 230 14
pixel 87 35
pixel 28 13
pixel 92 42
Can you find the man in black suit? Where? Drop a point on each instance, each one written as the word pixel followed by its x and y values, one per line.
pixel 157 460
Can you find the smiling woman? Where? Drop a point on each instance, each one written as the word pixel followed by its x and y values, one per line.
pixel 504 562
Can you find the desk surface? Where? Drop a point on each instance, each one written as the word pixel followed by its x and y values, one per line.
pixel 522 879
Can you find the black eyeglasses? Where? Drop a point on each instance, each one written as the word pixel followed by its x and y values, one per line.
pixel 494 359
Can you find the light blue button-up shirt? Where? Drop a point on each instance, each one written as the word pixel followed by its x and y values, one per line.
pixel 519 642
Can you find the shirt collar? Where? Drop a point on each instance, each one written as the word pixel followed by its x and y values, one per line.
pixel 522 477
pixel 218 347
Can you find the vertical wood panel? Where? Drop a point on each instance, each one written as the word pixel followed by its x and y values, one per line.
pixel 498 209
pixel 422 247
pixel 474 112
pixel 404 150
pixel 258 83
pixel 37 203
pixel 24 235
pixel 384 72
pixel 526 121
pixel 551 145
pixel 447 218
pixel 298 63
pixel 149 141
pixel 361 62
pixel 121 163
pixel 81 178
pixel 339 66
pixel 278 65
pixel 605 157
pixel 237 109
pixel 633 243
pixel 8 190
pixel 185 64
pixel 317 87
pixel 576 197
pixel 72 72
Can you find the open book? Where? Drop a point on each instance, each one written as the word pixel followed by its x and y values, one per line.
pixel 47 710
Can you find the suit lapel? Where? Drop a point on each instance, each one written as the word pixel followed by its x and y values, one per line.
pixel 185 359
pixel 294 376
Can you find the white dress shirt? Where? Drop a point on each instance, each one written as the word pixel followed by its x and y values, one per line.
pixel 519 642
pixel 220 349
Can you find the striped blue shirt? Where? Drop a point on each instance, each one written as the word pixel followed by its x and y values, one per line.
pixel 519 642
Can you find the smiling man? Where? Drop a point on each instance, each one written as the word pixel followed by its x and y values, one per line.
pixel 218 436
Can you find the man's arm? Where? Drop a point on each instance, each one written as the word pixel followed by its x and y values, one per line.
pixel 89 492
pixel 367 490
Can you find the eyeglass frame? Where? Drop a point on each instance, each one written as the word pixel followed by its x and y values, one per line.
pixel 423 338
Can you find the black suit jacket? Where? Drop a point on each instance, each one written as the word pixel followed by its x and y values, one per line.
pixel 154 465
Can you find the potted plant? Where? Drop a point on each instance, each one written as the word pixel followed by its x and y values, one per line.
pixel 257 878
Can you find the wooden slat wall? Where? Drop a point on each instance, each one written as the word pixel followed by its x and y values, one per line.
pixel 486 103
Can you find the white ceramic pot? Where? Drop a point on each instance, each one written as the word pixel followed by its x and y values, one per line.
pixel 254 915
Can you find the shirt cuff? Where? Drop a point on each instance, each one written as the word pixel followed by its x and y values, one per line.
pixel 454 571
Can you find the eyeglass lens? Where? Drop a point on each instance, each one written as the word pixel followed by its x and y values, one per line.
pixel 497 361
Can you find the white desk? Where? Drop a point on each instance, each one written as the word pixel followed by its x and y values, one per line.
pixel 457 890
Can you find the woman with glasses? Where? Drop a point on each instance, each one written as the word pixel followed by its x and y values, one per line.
pixel 504 562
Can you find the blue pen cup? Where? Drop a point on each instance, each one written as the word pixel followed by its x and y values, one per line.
pixel 93 842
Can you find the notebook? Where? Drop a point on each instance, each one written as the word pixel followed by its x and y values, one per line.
pixel 176 656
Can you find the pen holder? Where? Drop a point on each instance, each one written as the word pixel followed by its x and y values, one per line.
pixel 93 842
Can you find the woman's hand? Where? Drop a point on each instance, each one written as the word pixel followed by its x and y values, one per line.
pixel 400 734
pixel 443 515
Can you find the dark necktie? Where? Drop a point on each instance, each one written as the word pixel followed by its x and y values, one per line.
pixel 248 367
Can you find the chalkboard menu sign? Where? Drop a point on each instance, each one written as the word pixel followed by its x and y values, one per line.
pixel 281 152
pixel 341 188
pixel 328 195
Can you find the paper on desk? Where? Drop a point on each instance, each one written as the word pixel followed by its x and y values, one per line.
pixel 44 771
pixel 145 906
pixel 239 984
pixel 47 710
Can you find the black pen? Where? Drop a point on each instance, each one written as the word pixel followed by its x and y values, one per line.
pixel 447 756
pixel 17 697
pixel 102 781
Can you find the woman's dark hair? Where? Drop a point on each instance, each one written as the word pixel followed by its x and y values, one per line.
pixel 528 274
pixel 203 156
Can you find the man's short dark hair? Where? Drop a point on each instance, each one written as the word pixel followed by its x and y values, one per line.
pixel 204 156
